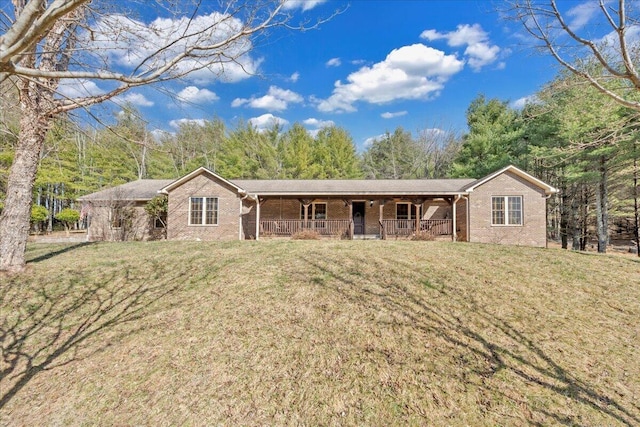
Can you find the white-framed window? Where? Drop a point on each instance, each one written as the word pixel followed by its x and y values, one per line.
pixel 407 214
pixel 314 211
pixel 506 210
pixel 203 211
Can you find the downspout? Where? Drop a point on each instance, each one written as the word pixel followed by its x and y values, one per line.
pixel 257 198
pixel 466 199
pixel 455 232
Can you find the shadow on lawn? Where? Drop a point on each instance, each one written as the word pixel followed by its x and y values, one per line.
pixel 47 326
pixel 519 354
pixel 52 254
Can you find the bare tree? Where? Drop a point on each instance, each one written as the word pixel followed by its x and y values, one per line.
pixel 564 36
pixel 47 43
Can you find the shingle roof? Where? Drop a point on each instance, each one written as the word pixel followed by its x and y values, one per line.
pixel 146 189
pixel 339 187
pixel 140 190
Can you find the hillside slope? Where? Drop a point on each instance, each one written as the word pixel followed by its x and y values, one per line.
pixel 319 333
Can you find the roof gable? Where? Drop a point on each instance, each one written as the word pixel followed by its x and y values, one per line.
pixel 200 171
pixel 519 172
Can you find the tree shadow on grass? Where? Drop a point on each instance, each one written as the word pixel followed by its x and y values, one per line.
pixel 61 251
pixel 513 352
pixel 45 326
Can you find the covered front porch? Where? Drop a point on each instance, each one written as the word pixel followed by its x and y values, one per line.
pixel 349 218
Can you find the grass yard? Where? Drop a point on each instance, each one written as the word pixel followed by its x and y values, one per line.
pixel 319 333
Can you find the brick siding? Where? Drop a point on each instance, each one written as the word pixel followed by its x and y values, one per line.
pixel 533 230
pixel 229 214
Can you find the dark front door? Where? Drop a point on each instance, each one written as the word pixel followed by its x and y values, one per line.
pixel 358 217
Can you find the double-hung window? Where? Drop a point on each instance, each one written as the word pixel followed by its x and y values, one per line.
pixel 317 212
pixel 506 210
pixel 203 211
pixel 407 213
pixel 314 211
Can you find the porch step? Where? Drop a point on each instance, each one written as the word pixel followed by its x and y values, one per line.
pixel 366 237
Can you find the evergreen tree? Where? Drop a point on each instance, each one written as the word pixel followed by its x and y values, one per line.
pixel 494 139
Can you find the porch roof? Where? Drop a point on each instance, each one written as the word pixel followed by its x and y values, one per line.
pixel 140 190
pixel 354 187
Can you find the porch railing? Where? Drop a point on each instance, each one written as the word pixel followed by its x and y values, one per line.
pixel 407 227
pixel 289 227
pixel 343 227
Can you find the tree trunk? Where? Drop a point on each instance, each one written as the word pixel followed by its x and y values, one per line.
pixel 564 215
pixel 575 221
pixel 602 226
pixel 584 218
pixel 14 221
pixel 636 226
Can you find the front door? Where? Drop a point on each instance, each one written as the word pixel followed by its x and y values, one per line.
pixel 358 217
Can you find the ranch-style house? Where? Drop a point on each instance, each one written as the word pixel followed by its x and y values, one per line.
pixel 507 206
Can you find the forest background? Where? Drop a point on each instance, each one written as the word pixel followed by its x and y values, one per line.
pixel 570 136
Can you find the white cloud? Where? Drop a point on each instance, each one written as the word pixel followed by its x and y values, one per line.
pixel 276 99
pixel 266 121
pixel 479 50
pixel 301 4
pixel 389 115
pixel 318 123
pixel 410 72
pixel 197 96
pixel 137 41
pixel 294 77
pixel 159 135
pixel 137 99
pixel 520 103
pixel 333 62
pixel 369 141
pixel 582 14
pixel 78 88
pixel 177 123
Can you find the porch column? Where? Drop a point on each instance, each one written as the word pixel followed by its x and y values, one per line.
pixel 416 207
pixel 381 203
pixel 257 217
pixel 350 204
pixel 454 235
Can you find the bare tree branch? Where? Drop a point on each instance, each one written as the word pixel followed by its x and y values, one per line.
pixel 545 22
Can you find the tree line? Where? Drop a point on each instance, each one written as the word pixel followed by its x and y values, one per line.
pixel 76 161
pixel 582 143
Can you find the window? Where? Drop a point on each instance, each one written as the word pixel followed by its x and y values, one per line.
pixel 118 217
pixel 402 211
pixel 203 211
pixel 506 210
pixel 160 221
pixel 408 213
pixel 314 211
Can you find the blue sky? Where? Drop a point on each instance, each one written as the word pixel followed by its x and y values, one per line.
pixel 376 66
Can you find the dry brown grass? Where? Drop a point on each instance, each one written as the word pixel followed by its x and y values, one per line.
pixel 306 235
pixel 319 333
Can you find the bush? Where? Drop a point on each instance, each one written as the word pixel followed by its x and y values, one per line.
pixel 423 236
pixel 306 235
pixel 39 213
pixel 67 217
